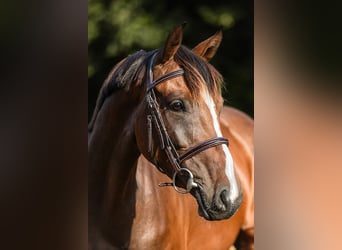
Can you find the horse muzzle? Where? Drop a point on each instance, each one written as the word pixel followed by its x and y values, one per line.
pixel 222 206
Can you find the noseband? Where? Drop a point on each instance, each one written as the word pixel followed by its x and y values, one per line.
pixel 154 117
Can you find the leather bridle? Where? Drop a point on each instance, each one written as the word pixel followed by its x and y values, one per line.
pixel 154 117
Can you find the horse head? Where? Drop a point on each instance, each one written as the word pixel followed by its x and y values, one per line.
pixel 178 126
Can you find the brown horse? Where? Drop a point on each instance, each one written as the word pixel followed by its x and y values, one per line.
pixel 161 174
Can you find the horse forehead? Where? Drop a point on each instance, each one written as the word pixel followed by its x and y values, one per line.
pixel 176 87
pixel 162 69
pixel 168 85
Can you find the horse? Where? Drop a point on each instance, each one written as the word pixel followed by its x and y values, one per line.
pixel 170 167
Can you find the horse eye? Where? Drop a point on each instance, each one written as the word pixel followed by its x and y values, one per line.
pixel 177 105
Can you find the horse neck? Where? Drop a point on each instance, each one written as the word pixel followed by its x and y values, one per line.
pixel 112 152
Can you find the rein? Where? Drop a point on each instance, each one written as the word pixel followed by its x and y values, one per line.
pixel 154 118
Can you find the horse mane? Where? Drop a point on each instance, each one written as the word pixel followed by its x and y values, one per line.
pixel 197 71
pixel 132 70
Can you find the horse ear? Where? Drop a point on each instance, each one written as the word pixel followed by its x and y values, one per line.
pixel 173 42
pixel 207 49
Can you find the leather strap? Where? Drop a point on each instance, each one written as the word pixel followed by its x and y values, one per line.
pixel 201 147
pixel 150 83
pixel 165 77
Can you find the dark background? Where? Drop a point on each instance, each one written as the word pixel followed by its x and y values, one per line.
pixel 119 28
pixel 44 111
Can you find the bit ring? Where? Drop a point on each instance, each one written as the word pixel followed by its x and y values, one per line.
pixel 189 184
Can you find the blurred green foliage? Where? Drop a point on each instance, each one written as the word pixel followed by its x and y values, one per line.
pixel 121 27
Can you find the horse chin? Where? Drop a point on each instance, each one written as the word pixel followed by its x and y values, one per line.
pixel 205 210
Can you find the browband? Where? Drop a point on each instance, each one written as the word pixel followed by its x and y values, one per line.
pixel 150 84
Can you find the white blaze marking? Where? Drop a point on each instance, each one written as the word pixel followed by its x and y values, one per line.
pixel 229 170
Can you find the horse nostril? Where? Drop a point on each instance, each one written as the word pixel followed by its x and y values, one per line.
pixel 225 197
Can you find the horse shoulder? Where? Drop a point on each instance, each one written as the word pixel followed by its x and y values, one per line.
pixel 158 211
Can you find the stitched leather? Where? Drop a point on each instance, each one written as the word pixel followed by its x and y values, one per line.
pixel 201 147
